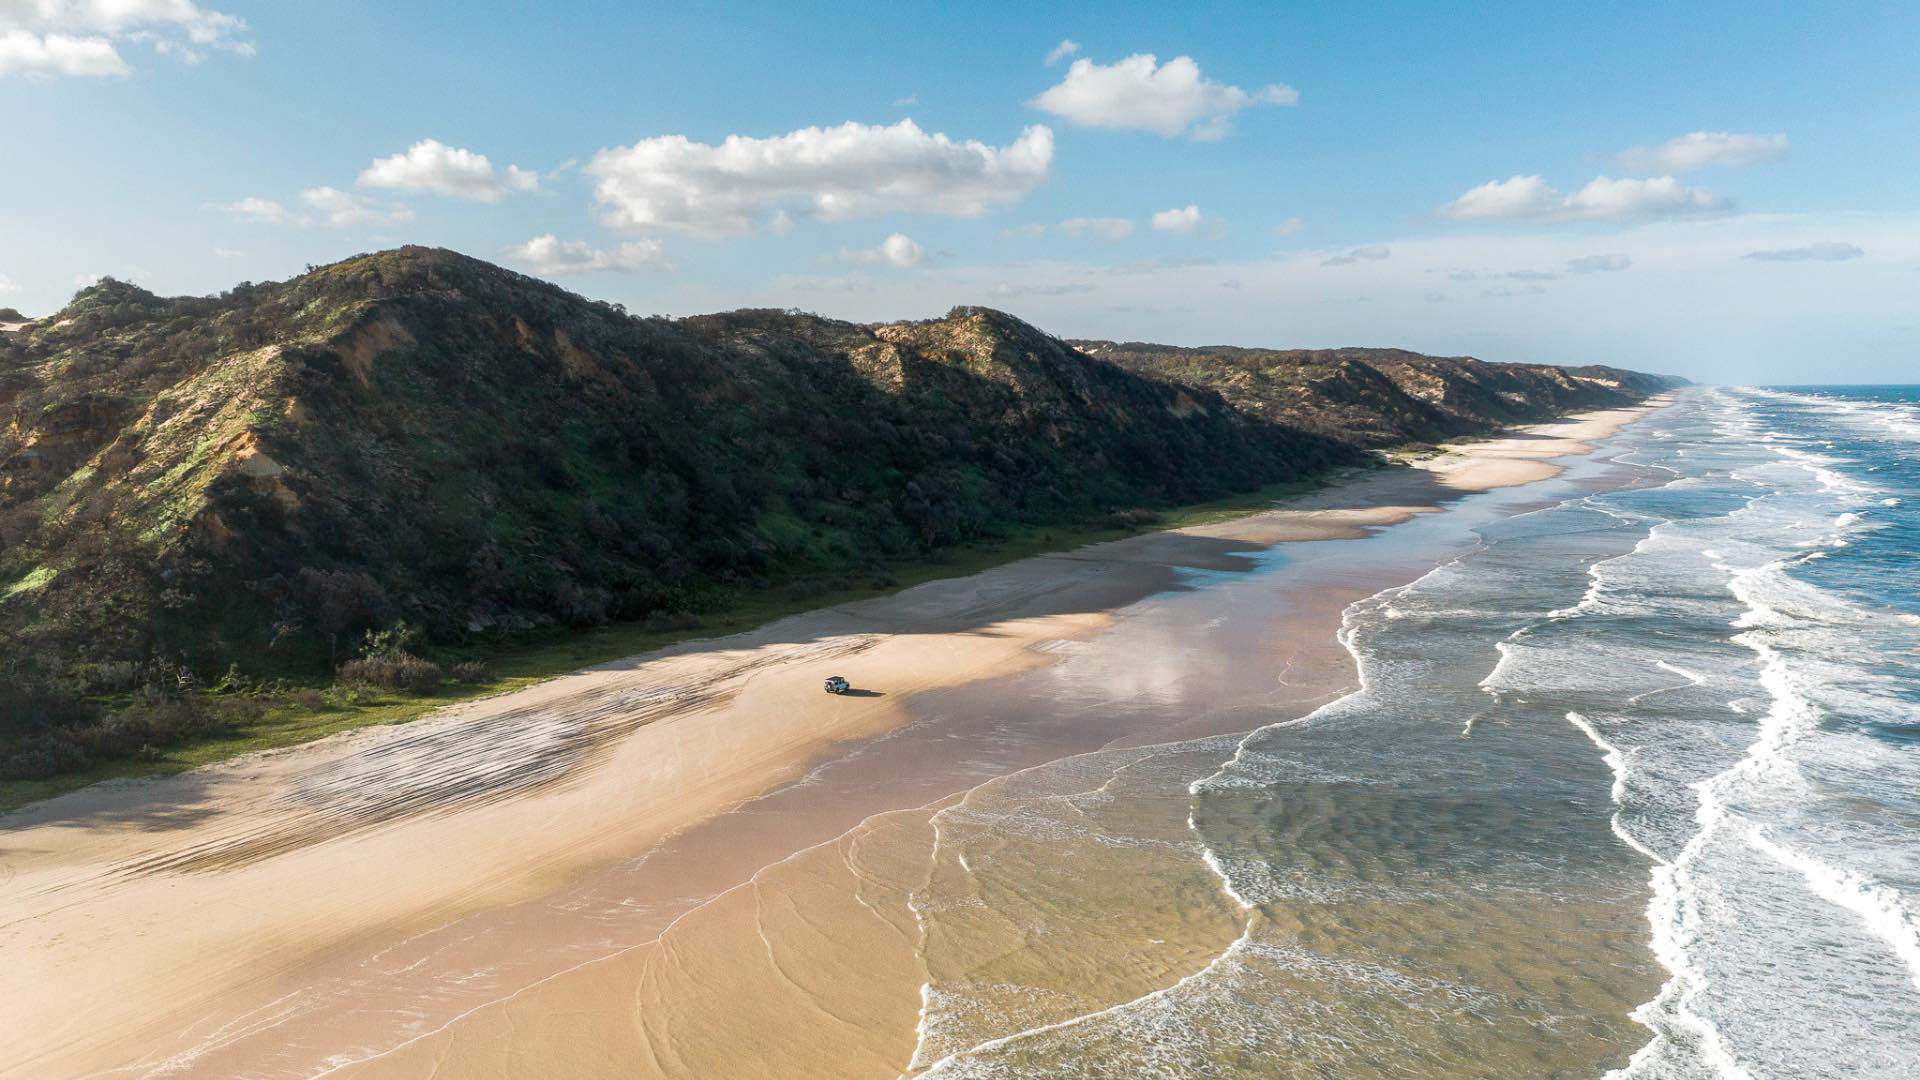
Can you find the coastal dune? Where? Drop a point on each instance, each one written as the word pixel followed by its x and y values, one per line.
pixel 691 862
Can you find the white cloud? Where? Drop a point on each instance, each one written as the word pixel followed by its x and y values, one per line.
pixel 1529 198
pixel 198 25
pixel 903 102
pixel 1704 150
pixel 896 250
pixel 1822 252
pixel 1028 231
pixel 854 170
pixel 431 165
pixel 25 53
pixel 1373 253
pixel 551 256
pixel 1139 94
pixel 39 38
pixel 260 211
pixel 1066 48
pixel 228 253
pixel 1183 219
pixel 1605 199
pixel 1598 264
pixel 1518 197
pixel 1105 228
pixel 7 285
pixel 1289 227
pixel 341 208
pixel 334 207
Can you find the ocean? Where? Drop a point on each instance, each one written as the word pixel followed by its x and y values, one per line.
pixel 1630 787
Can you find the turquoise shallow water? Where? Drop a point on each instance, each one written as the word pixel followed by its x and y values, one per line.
pixel 1632 785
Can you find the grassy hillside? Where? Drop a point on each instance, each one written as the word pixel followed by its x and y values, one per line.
pixel 1382 397
pixel 415 455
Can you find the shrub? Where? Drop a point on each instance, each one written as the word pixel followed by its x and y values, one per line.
pixel 470 672
pixel 385 661
pixel 394 670
pixel 159 722
pixel 108 677
pixel 29 703
pixel 155 719
pixel 1130 519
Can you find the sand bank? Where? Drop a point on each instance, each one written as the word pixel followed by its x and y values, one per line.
pixel 646 866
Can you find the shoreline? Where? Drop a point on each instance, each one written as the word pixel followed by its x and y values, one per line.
pixel 385 835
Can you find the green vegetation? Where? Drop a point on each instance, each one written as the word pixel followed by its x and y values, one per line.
pixel 256 490
pixel 1382 398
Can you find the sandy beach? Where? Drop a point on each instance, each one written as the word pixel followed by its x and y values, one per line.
pixel 691 862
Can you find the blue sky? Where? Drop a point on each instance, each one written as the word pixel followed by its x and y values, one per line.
pixel 1400 175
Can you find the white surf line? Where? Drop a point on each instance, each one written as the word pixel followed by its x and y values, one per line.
pixel 995 1044
pixel 1692 678
pixel 1504 647
pixel 1673 913
pixel 1665 883
pixel 1674 919
pixel 1616 760
pixel 1286 669
pixel 1878 906
pixel 920 923
pixel 1589 600
pixel 1113 776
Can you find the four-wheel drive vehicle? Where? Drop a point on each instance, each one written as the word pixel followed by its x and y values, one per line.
pixel 837 685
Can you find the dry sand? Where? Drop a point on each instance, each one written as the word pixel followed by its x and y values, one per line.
pixel 225 921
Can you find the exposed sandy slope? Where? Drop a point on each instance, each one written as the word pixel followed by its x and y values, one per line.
pixel 161 921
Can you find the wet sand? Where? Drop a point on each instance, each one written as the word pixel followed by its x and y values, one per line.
pixel 687 863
